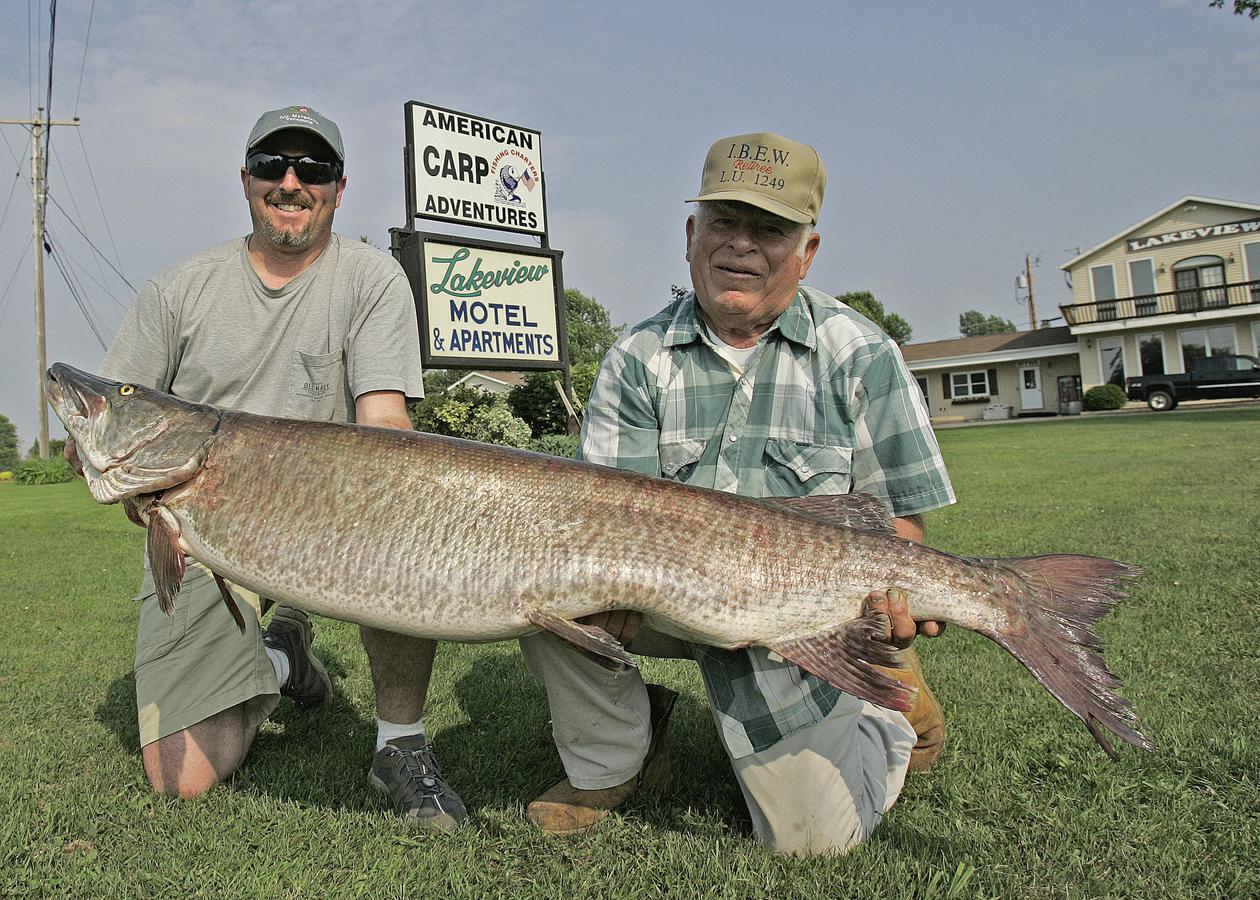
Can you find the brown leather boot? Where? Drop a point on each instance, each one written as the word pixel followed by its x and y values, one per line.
pixel 564 809
pixel 925 716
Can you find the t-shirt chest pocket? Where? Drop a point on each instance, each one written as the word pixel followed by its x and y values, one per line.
pixel 796 468
pixel 315 380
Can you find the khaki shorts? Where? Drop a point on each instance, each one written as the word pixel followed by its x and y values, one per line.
pixel 195 662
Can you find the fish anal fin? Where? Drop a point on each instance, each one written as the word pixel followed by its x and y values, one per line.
pixel 229 601
pixel 848 510
pixel 845 657
pixel 601 645
pixel 166 560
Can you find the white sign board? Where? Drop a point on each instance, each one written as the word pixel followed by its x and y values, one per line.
pixel 489 305
pixel 474 171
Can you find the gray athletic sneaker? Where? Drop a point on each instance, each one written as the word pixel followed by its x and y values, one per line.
pixel 291 633
pixel 406 772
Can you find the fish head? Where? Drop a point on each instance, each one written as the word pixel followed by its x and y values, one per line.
pixel 131 439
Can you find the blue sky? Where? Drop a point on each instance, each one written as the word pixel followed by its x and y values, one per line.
pixel 958 137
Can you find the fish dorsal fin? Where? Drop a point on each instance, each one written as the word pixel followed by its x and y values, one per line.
pixel 848 510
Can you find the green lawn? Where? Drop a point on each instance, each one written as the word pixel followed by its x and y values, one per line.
pixel 1022 804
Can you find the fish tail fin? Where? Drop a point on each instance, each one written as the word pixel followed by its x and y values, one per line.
pixel 1059 600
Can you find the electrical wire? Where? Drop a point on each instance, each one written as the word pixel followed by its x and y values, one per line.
pixel 86 41
pixel 12 188
pixel 56 258
pixel 5 296
pixel 101 206
pixel 100 284
pixel 48 111
pixel 131 286
pixel 75 203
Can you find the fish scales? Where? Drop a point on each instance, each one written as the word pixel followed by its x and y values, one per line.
pixel 456 540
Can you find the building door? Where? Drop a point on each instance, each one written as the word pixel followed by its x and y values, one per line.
pixel 1200 283
pixel 1030 387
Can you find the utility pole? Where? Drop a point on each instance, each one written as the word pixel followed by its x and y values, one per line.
pixel 40 193
pixel 1032 306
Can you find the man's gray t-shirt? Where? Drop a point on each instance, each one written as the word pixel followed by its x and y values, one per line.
pixel 206 329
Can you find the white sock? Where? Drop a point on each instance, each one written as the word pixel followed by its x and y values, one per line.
pixel 279 662
pixel 387 731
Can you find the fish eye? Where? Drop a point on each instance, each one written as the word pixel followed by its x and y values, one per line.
pixel 127 390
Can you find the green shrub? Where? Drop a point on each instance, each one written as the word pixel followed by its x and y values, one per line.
pixel 1104 396
pixel 555 445
pixel 53 470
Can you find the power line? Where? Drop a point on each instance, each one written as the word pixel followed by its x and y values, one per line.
pixel 104 287
pixel 75 203
pixel 13 187
pixel 101 206
pixel 86 41
pixel 56 258
pixel 92 245
pixel 52 42
pixel 4 297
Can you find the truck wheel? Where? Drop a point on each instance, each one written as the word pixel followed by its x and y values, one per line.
pixel 1160 401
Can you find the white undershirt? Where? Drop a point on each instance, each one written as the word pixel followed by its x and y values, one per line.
pixel 736 357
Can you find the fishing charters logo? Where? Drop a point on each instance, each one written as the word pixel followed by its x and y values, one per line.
pixel 512 173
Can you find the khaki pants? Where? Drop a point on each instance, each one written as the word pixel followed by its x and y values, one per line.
pixel 821 789
pixel 195 662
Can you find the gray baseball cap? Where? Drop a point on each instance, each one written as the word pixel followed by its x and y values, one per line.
pixel 296 118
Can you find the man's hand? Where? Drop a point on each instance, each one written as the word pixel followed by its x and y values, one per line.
pixel 622 624
pixel 71 454
pixel 903 628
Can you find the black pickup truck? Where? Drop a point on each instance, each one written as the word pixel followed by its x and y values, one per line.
pixel 1210 377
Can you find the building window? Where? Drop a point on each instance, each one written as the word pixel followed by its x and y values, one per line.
pixel 1111 359
pixel 1151 353
pixel 1255 338
pixel 969 385
pixel 1142 286
pixel 1251 256
pixel 1198 343
pixel 922 383
pixel 1102 281
pixel 1200 283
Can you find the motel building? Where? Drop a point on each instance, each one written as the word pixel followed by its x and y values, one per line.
pixel 1182 283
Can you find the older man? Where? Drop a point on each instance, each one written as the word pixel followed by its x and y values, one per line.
pixel 757 385
pixel 291 320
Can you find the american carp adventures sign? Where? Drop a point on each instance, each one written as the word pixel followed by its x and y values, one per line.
pixel 484 304
pixel 473 171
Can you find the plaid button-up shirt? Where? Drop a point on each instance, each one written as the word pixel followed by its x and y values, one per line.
pixel 825 405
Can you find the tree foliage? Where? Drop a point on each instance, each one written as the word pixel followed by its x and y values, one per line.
pixel 892 324
pixel 474 415
pixel 55 446
pixel 8 444
pixel 589 328
pixel 1249 8
pixel 974 323
pixel 591 333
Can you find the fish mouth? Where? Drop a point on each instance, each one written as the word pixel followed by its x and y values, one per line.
pixel 72 401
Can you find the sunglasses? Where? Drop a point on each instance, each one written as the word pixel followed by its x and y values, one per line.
pixel 274 166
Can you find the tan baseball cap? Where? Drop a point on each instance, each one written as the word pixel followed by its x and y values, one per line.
pixel 768 171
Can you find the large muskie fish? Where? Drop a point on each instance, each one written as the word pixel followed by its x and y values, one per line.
pixel 462 541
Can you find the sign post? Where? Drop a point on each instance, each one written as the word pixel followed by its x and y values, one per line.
pixel 481 304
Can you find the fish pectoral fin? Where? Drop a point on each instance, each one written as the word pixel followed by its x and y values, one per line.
pixel 845 657
pixel 229 601
pixel 601 645
pixel 166 560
